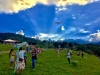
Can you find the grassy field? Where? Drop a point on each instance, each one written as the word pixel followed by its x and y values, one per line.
pixel 49 64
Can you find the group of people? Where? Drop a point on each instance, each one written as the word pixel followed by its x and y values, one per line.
pixel 21 57
pixel 69 54
pixel 80 53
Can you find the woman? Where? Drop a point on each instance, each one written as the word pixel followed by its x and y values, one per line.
pixel 11 56
pixel 34 57
pixel 21 61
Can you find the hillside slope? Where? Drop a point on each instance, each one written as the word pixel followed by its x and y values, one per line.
pixel 49 64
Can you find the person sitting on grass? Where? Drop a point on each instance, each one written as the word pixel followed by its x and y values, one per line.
pixel 11 56
pixel 78 54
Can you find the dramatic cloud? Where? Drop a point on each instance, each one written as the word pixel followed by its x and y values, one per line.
pixel 20 32
pixel 62 28
pixel 43 36
pixel 95 37
pixel 10 6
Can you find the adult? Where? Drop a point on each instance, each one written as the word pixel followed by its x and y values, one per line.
pixel 21 53
pixel 34 57
pixel 82 55
pixel 20 60
pixel 68 56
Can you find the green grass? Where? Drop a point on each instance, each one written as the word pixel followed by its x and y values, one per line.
pixel 49 64
pixel 5 47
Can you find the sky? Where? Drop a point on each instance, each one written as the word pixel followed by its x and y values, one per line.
pixel 38 18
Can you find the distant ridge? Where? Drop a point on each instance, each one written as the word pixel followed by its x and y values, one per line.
pixel 13 36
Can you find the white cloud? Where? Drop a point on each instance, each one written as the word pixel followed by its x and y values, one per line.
pixel 58 9
pixel 10 6
pixel 62 28
pixel 74 17
pixel 88 24
pixel 95 37
pixel 44 36
pixel 72 29
pixel 83 31
pixel 62 39
pixel 20 32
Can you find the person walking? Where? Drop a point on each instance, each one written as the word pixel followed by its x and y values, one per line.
pixel 68 56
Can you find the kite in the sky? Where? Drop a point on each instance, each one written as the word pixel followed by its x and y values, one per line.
pixel 58 22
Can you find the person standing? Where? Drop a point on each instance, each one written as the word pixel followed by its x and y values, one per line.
pixel 34 57
pixel 20 60
pixel 68 56
pixel 11 56
pixel 82 55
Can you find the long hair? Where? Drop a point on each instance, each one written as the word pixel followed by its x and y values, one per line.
pixel 20 48
pixel 10 52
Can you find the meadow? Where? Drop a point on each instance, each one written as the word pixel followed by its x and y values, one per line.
pixel 49 64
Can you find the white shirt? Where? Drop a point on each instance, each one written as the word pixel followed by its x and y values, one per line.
pixel 21 54
pixel 68 55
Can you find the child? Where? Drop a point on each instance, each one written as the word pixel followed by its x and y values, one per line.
pixel 11 56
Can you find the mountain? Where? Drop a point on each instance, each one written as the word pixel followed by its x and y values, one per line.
pixel 79 41
pixel 13 36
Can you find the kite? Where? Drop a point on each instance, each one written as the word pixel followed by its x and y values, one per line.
pixel 18 46
pixel 58 22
